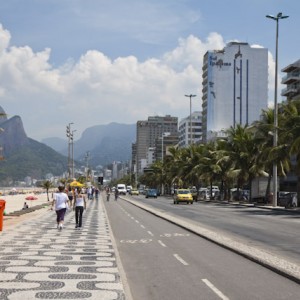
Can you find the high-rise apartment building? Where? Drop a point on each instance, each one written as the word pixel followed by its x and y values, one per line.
pixel 148 131
pixel 235 87
pixel 292 81
pixel 195 130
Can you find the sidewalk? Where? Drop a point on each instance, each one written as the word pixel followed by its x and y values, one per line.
pixel 39 262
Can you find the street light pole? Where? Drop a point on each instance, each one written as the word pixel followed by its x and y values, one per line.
pixel 87 155
pixel 162 159
pixel 69 148
pixel 190 96
pixel 275 137
pixel 72 140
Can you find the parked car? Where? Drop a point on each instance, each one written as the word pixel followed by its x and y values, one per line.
pixel 151 193
pixel 212 192
pixel 134 192
pixel 203 193
pixel 194 193
pixel 141 191
pixel 287 199
pixel 183 195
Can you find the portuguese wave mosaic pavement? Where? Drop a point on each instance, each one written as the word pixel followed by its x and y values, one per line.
pixel 39 262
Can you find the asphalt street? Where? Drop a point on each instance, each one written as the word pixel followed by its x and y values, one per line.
pixel 273 230
pixel 164 261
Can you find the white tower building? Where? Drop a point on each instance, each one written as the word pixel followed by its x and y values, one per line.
pixel 235 87
pixel 184 129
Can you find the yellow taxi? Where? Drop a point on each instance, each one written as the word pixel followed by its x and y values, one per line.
pixel 183 195
pixel 134 192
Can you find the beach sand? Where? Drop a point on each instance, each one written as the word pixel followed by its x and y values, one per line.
pixel 16 202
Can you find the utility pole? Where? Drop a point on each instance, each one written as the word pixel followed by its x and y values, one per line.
pixel 72 142
pixel 190 96
pixel 87 155
pixel 68 132
pixel 275 137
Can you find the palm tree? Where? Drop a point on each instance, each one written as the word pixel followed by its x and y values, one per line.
pixel 267 154
pixel 291 124
pixel 242 150
pixel 47 184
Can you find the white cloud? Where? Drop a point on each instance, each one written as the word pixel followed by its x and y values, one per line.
pixel 96 89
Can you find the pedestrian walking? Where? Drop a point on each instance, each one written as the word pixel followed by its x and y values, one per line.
pixel 107 193
pixel 97 191
pixel 60 204
pixel 89 193
pixel 116 194
pixel 79 207
pixel 70 196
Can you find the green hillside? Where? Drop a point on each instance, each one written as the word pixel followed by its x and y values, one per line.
pixel 33 159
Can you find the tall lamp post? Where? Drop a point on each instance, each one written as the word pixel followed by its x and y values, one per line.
pixel 72 143
pixel 68 132
pixel 275 137
pixel 190 96
pixel 87 156
pixel 162 159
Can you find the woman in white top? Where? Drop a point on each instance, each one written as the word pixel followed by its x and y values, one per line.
pixel 79 206
pixel 60 202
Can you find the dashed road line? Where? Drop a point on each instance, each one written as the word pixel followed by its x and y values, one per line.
pixel 150 233
pixel 162 244
pixel 180 259
pixel 215 290
pixel 143 226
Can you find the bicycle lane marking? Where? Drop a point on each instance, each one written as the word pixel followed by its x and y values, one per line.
pixel 215 290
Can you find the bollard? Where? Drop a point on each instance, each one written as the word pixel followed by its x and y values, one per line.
pixel 2 207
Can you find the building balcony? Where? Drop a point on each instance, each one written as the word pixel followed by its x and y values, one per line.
pixel 290 91
pixel 292 67
pixel 291 77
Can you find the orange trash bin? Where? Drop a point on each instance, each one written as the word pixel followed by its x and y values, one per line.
pixel 2 207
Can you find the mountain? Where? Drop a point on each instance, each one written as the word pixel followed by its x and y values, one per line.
pixel 105 143
pixel 24 156
pixel 56 143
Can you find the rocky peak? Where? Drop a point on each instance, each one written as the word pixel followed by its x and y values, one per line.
pixel 13 135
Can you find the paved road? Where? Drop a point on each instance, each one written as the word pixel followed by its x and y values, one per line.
pixel 273 230
pixel 38 262
pixel 164 261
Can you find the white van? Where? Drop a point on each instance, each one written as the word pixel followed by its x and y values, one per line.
pixel 121 189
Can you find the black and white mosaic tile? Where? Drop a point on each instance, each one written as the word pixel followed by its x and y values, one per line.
pixel 39 262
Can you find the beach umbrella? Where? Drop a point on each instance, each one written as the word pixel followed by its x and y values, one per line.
pixel 76 183
pixel 31 198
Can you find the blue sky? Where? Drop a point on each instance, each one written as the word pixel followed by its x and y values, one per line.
pixel 94 62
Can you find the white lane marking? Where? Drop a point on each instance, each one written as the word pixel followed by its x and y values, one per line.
pixel 160 242
pixel 142 241
pixel 150 233
pixel 136 221
pixel 143 226
pixel 215 290
pixel 180 259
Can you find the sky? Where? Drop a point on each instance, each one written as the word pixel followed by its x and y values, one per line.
pixel 93 62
